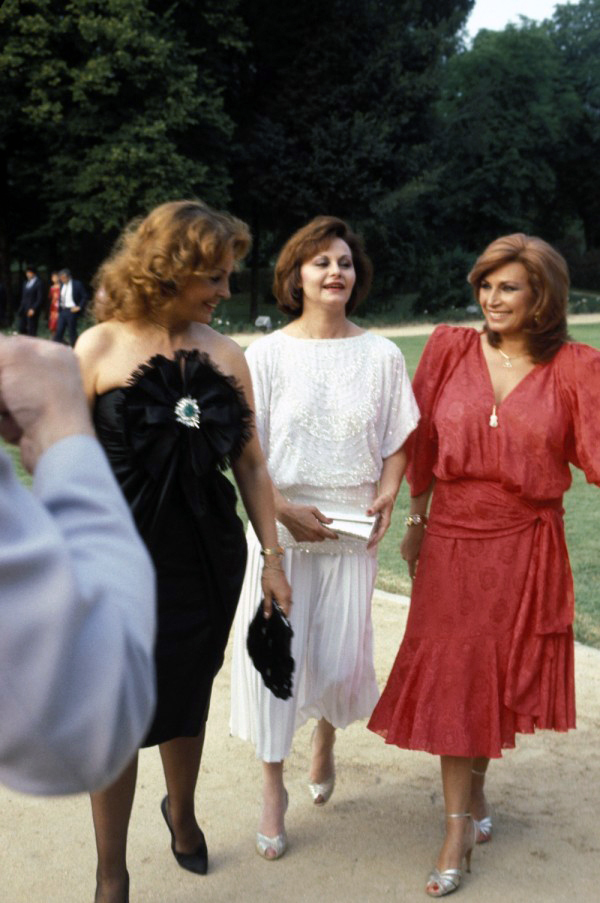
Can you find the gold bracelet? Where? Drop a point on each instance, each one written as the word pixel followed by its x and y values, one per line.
pixel 277 550
pixel 272 567
pixel 416 520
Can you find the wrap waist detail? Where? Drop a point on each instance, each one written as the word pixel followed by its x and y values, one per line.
pixel 480 510
pixel 474 509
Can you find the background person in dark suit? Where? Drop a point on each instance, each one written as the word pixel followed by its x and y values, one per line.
pixel 32 301
pixel 73 298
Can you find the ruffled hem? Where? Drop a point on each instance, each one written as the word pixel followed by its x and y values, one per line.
pixel 445 696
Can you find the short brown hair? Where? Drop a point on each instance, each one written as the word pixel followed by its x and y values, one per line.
pixel 305 244
pixel 156 255
pixel 549 280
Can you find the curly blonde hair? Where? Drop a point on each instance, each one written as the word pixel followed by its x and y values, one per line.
pixel 156 255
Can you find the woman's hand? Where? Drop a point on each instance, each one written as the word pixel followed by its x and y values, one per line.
pixel 382 507
pixel 410 547
pixel 275 586
pixel 305 522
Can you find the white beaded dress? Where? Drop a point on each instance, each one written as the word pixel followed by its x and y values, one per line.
pixel 328 412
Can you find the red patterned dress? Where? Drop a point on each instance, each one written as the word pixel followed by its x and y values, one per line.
pixel 54 297
pixel 488 649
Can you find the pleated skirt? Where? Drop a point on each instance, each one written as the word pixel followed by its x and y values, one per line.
pixel 334 677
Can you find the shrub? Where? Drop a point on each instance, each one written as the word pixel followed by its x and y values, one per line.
pixel 443 283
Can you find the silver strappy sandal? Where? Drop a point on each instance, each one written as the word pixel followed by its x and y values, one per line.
pixel 272 848
pixel 484 825
pixel 446 881
pixel 321 792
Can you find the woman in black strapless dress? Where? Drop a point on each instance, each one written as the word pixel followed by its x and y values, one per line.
pixel 172 406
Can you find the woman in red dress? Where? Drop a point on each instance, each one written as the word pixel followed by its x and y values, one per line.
pixel 488 649
pixel 54 298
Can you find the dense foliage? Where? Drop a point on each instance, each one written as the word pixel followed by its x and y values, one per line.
pixel 371 110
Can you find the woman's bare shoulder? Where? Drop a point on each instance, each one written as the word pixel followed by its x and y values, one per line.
pixel 225 352
pixel 109 353
pixel 96 340
pixel 100 336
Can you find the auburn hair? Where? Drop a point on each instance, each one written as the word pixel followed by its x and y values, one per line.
pixel 546 329
pixel 305 244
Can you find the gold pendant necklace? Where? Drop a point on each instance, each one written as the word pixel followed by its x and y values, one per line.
pixel 507 361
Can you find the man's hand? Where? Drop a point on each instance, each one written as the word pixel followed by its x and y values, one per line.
pixel 41 396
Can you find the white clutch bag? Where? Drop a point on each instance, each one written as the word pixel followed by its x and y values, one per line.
pixel 357 526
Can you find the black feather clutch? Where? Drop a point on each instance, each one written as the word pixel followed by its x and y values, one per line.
pixel 269 645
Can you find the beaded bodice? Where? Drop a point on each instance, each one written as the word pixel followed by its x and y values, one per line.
pixel 328 412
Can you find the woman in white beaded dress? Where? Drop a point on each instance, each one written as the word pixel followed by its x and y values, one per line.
pixel 334 407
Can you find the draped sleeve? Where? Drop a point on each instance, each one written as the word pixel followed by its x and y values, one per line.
pixel 401 414
pixel 440 355
pixel 578 368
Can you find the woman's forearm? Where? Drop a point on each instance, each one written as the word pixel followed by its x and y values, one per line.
pixel 392 471
pixel 420 503
pixel 255 487
pixel 280 503
pixel 256 490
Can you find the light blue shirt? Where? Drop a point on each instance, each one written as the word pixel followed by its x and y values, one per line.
pixel 77 623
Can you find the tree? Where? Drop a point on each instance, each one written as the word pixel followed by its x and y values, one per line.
pixel 25 61
pixel 504 110
pixel 289 109
pixel 336 113
pixel 575 32
pixel 123 100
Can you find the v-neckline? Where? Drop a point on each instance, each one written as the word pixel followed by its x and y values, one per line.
pixel 488 373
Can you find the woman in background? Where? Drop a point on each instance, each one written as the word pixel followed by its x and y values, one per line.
pixel 488 649
pixel 54 299
pixel 333 409
pixel 172 406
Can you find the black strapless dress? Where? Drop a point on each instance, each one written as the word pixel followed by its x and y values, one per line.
pixel 168 435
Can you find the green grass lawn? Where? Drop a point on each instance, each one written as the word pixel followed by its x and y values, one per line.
pixel 581 505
